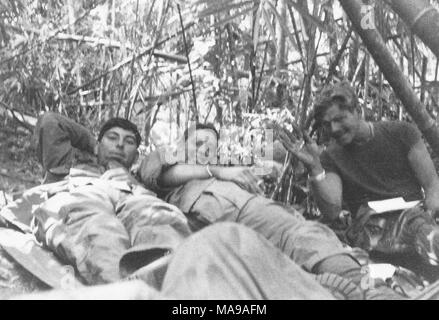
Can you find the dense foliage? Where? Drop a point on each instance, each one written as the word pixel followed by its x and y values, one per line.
pixel 250 61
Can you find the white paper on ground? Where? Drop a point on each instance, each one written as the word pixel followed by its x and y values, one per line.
pixel 391 205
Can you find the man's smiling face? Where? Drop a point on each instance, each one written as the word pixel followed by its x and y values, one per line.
pixel 341 124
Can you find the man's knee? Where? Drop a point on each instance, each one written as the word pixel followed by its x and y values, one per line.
pixel 46 119
pixel 226 233
pixel 148 210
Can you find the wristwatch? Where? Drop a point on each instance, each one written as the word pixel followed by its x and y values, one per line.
pixel 208 171
pixel 320 177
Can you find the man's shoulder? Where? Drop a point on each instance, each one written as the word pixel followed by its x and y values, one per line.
pixel 400 133
pixel 394 125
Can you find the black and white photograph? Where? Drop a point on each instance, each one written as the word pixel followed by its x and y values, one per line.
pixel 231 151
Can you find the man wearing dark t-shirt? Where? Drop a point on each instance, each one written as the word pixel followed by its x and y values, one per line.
pixel 378 169
pixel 367 162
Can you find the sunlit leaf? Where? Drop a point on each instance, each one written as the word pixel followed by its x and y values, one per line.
pixel 257 25
pixel 270 28
pixel 231 18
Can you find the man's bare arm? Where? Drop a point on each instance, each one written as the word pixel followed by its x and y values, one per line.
pixel 180 174
pixel 328 195
pixel 57 136
pixel 424 169
pixel 327 192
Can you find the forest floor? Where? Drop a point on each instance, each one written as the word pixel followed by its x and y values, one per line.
pixel 19 170
pixel 19 167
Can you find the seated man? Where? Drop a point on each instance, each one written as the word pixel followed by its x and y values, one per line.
pixel 373 161
pixel 211 194
pixel 97 216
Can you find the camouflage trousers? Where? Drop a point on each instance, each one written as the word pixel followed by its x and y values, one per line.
pixel 107 233
pixel 222 261
pixel 410 231
pixel 306 242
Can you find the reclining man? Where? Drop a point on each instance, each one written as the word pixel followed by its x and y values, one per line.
pixel 373 161
pixel 222 261
pixel 209 194
pixel 99 217
pixel 95 214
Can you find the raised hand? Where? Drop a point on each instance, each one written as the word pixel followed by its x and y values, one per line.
pixel 307 152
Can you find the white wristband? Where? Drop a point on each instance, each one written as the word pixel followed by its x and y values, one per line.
pixel 208 171
pixel 320 177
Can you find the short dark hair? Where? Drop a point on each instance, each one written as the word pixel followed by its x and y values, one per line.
pixel 342 94
pixel 200 126
pixel 120 123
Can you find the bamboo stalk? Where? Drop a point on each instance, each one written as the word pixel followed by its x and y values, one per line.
pixel 260 76
pixel 422 18
pixel 128 60
pixel 340 52
pixel 423 75
pixel 402 88
pixel 296 35
pixel 194 96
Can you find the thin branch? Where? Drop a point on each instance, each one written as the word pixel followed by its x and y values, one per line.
pixel 436 69
pixel 18 178
pixel 188 63
pixel 162 97
pixel 340 52
pixel 260 75
pixel 158 33
pixel 128 60
pixel 25 124
pixel 296 35
pixel 50 37
pixel 127 111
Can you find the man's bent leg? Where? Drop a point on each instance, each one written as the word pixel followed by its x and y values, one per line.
pixel 139 212
pixel 230 261
pixel 81 227
pixel 416 228
pixel 306 242
pixel 155 228
pixel 311 245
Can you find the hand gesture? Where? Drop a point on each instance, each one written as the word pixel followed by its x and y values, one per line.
pixel 307 152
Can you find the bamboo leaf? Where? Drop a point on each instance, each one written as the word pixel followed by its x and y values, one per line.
pixel 257 25
pixel 233 17
pixel 269 26
pixel 283 24
pixel 221 7
pixel 319 24
pixel 208 2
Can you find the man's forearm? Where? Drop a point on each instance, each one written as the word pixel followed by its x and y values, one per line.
pixel 328 194
pixel 57 135
pixel 180 174
pixel 424 169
